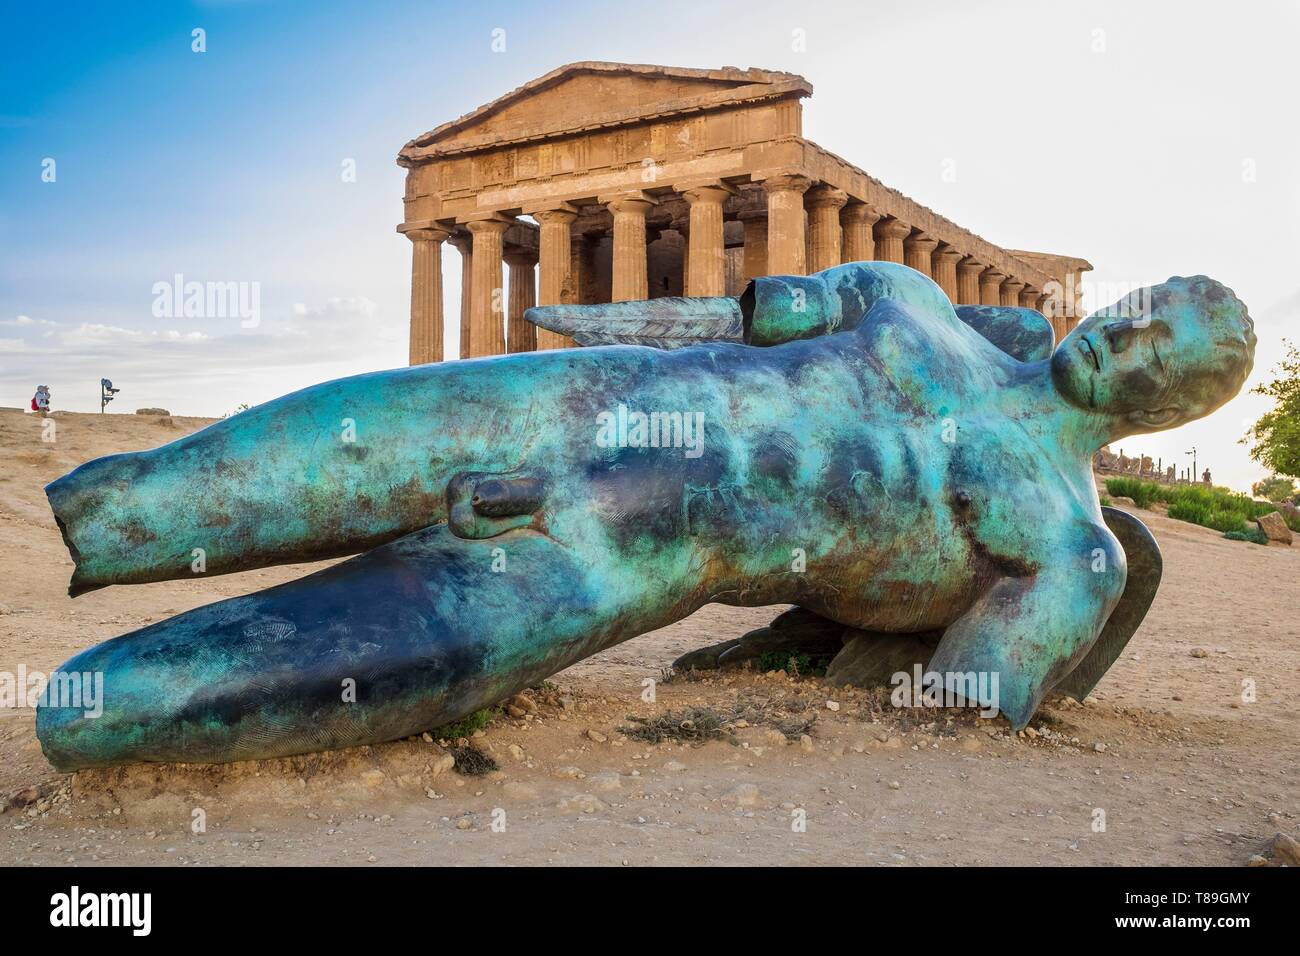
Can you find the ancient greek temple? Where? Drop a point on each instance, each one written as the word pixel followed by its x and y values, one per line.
pixel 603 182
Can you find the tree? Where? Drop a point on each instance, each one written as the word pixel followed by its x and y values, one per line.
pixel 1276 488
pixel 1276 436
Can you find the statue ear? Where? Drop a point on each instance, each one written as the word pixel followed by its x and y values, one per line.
pixel 1158 418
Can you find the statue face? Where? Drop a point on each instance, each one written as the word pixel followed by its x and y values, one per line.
pixel 1160 357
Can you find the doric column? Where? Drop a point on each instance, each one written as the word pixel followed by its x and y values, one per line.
pixel 521 336
pixel 917 250
pixel 555 274
pixel 825 246
pixel 1010 294
pixel 991 287
pixel 684 230
pixel 856 220
pixel 755 243
pixel 464 244
pixel 944 261
pixel 968 281
pixel 487 331
pixel 1028 298
pixel 426 289
pixel 629 279
pixel 785 224
pixel 890 234
pixel 582 264
pixel 708 267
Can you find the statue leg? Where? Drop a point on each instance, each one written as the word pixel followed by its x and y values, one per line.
pixel 797 632
pixel 408 637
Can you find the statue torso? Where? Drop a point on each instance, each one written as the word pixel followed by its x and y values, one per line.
pixel 870 475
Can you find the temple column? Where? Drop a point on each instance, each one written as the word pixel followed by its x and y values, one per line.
pixel 944 262
pixel 426 290
pixel 521 335
pixel 991 287
pixel 755 244
pixel 825 243
pixel 890 234
pixel 629 269
pixel 708 267
pixel 968 281
pixel 785 224
pixel 917 250
pixel 583 268
pixel 464 244
pixel 555 275
pixel 1028 298
pixel 856 220
pixel 487 332
pixel 684 228
pixel 1010 293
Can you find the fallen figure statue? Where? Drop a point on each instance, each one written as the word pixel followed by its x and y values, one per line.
pixel 845 442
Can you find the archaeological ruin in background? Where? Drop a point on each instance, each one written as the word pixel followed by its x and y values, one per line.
pixel 650 181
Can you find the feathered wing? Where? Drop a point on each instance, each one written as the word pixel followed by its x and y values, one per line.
pixel 1145 567
pixel 778 309
pixel 671 322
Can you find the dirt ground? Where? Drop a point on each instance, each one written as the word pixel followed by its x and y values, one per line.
pixel 1179 766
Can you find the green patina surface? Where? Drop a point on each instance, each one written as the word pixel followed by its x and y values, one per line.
pixel 865 453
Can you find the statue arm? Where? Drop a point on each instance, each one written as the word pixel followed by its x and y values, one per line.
pixel 1024 334
pixel 1032 630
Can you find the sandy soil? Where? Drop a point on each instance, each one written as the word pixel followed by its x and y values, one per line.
pixel 1184 770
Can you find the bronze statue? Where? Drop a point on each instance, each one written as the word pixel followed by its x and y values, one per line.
pixel 847 442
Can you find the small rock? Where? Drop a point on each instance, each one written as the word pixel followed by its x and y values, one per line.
pixel 833 705
pixel 464 823
pixel 1284 851
pixel 1200 652
pixel 22 797
pixel 605 782
pixel 743 795
pixel 895 785
pixel 1274 527
pixel 597 736
pixel 441 763
pixel 582 802
pixel 519 791
pixel 805 743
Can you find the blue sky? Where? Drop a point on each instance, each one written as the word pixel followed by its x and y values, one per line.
pixel 1152 139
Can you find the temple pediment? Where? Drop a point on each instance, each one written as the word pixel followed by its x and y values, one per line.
pixel 590 95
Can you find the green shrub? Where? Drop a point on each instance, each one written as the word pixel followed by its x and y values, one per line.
pixel 1190 511
pixel 1226 521
pixel 1251 534
pixel 1216 508
pixel 466 725
pixel 1139 491
pixel 793 664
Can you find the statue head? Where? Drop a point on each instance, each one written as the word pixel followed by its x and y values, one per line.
pixel 1160 357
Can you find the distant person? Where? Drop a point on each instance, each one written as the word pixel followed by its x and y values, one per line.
pixel 41 400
